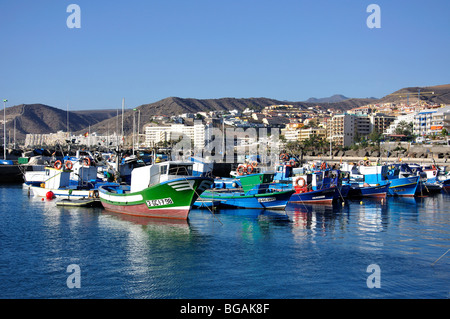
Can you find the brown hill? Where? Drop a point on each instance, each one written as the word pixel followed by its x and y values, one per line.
pixel 439 94
pixel 41 119
pixel 176 106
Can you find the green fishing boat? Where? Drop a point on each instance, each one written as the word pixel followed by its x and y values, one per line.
pixel 162 190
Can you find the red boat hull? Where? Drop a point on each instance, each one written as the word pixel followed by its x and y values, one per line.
pixel 143 211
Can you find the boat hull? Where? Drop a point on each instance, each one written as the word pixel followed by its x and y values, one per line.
pixel 406 186
pixel 171 199
pixel 342 192
pixel 321 196
pixel 370 191
pixel 446 185
pixel 61 193
pixel 269 200
pixel 428 188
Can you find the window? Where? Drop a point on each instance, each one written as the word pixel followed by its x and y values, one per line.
pixel 177 169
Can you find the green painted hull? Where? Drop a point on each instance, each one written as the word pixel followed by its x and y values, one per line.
pixel 171 199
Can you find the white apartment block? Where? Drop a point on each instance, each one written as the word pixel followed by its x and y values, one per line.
pixel 197 133
pixel 309 132
pixel 290 134
pixel 342 131
pixel 432 121
pixel 345 127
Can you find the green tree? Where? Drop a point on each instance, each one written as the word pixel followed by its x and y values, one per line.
pixel 405 128
pixel 375 137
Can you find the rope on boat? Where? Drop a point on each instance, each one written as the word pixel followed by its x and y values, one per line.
pixel 440 257
pixel 198 196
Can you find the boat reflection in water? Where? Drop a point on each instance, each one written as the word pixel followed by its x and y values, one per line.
pixel 256 214
pixel 333 221
pixel 153 224
pixel 304 216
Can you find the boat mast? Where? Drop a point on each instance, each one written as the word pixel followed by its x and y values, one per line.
pixel 67 111
pixel 4 128
pixel 123 106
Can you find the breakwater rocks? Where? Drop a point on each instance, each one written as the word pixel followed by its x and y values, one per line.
pixel 388 153
pixel 391 151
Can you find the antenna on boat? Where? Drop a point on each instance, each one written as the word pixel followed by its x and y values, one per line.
pixel 123 107
pixel 4 128
pixel 67 111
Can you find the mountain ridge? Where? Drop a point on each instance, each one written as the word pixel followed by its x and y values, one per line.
pixel 331 99
pixel 40 118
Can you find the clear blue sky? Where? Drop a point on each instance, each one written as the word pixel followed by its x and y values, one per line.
pixel 148 50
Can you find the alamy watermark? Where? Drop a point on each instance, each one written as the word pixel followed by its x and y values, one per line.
pixel 374 279
pixel 74 19
pixel 74 279
pixel 224 146
pixel 374 19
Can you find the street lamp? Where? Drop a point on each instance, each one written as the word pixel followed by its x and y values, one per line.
pixel 4 128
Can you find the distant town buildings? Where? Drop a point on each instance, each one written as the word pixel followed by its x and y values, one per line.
pixel 61 138
pixel 295 123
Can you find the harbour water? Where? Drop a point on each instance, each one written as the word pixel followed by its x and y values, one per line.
pixel 304 252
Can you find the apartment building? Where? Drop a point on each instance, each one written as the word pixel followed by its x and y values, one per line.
pixel 408 118
pixel 345 127
pixel 305 134
pixel 292 131
pixel 197 133
pixel 380 122
pixel 440 120
pixel 432 121
pixel 342 129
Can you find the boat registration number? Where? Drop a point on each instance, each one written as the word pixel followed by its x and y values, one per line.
pixel 159 202
pixel 266 199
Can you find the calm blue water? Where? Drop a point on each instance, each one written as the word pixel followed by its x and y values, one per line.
pixel 307 252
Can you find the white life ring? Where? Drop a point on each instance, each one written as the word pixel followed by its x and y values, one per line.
pixel 299 181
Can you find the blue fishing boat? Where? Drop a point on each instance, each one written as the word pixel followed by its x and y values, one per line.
pixel 206 203
pixel 384 174
pixel 336 178
pixel 256 193
pixel 320 196
pixel 311 188
pixel 378 191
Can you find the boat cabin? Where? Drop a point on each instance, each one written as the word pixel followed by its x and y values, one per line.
pixel 146 176
pixel 56 179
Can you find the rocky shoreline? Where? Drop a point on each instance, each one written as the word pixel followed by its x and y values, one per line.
pixel 389 153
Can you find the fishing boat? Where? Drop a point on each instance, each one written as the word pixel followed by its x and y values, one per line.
pixel 384 174
pixel 365 190
pixel 9 172
pixel 58 185
pixel 310 189
pixel 436 177
pixel 428 188
pixel 161 190
pixel 255 193
pixel 206 203
pixel 428 178
pixel 88 202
